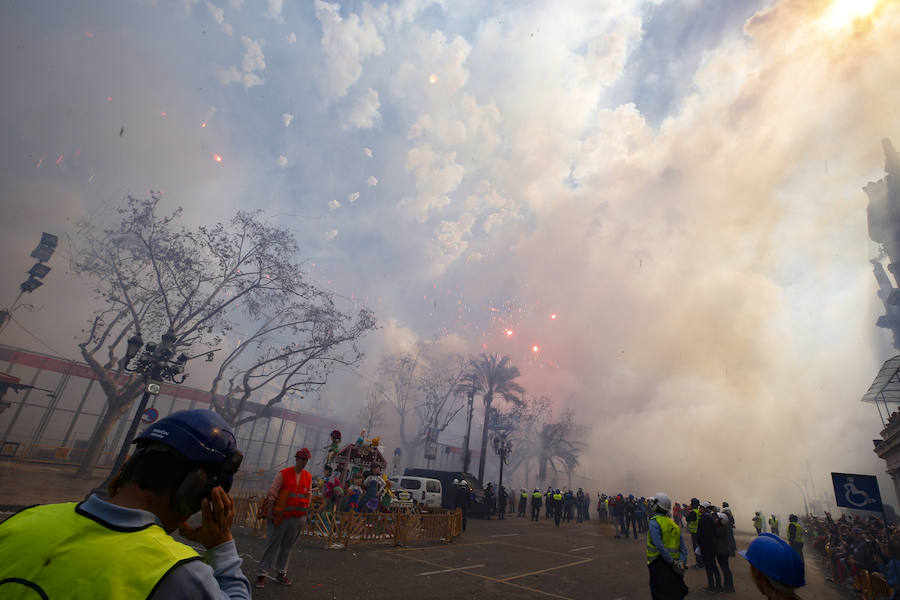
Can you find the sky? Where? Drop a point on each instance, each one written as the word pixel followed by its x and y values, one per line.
pixel 678 182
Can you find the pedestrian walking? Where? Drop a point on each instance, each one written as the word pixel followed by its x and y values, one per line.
pixel 122 547
pixel 630 519
pixel 288 504
pixel 618 513
pixel 666 552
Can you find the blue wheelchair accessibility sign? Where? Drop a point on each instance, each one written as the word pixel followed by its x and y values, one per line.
pixel 857 491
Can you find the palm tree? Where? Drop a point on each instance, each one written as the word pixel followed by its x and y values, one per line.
pixel 558 447
pixel 492 375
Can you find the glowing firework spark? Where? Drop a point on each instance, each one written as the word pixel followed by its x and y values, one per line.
pixel 109 98
pixel 508 332
pixel 535 348
pixel 163 113
pixel 217 158
pixel 553 317
pixel 203 124
pixel 433 78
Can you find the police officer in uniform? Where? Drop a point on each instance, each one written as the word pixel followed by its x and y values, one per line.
pixel 502 502
pixel 523 502
pixel 774 524
pixel 666 552
pixel 121 548
pixel 557 506
pixel 536 505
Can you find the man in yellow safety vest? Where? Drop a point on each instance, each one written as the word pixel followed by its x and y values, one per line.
pixel 666 552
pixel 121 547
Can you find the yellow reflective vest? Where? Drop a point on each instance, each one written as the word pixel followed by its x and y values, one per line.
pixel 758 522
pixel 773 524
pixel 65 553
pixel 671 538
pixel 795 532
pixel 692 525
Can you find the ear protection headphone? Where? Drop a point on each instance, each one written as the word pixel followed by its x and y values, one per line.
pixel 199 483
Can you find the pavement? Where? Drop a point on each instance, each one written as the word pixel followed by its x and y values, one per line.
pixel 513 558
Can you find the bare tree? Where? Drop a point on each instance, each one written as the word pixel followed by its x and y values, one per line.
pixel 155 277
pixel 423 391
pixel 370 414
pixel 530 417
pixel 295 352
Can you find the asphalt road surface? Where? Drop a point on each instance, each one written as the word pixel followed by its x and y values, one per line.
pixel 513 558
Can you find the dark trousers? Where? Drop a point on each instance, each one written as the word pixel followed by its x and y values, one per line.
pixel 620 524
pixel 501 510
pixel 694 543
pixel 631 522
pixel 465 513
pixel 580 517
pixel 713 577
pixel 522 504
pixel 727 579
pixel 535 512
pixel 549 508
pixel 557 515
pixel 665 583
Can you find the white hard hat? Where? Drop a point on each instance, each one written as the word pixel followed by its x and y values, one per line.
pixel 456 482
pixel 661 502
pixel 724 518
pixel 705 504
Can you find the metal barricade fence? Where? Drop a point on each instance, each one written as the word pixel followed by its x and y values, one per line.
pixel 343 529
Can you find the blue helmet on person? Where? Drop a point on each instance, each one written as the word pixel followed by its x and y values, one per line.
pixel 199 435
pixel 775 558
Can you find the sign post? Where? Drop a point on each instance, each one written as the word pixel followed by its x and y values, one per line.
pixel 859 492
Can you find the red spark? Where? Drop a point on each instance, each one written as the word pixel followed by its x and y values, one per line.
pixel 89 34
pixel 508 332
pixel 163 113
pixel 203 124
pixel 553 317
pixel 217 158
pixel 109 98
pixel 59 160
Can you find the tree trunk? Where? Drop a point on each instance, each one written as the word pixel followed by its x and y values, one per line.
pixel 484 434
pixel 115 409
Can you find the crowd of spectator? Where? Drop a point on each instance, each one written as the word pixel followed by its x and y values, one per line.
pixel 856 544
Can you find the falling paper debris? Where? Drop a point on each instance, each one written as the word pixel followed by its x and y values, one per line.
pixel 331 234
pixel 334 204
pixel 217 158
pixel 282 160
pixel 291 38
pixel 353 197
pixel 122 131
pixel 286 118
pixel 368 152
pixel 372 181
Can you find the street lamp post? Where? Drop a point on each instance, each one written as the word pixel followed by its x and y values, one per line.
pixel 466 455
pixel 42 253
pixel 503 448
pixel 156 364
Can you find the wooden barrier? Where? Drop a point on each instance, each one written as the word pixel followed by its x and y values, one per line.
pixel 880 589
pixel 343 529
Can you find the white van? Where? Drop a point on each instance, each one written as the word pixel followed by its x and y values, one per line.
pixel 423 490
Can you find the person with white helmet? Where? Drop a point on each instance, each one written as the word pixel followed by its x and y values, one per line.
pixel 666 552
pixel 777 570
pixel 758 523
pixel 723 550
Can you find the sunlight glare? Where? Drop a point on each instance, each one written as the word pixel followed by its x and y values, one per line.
pixel 844 12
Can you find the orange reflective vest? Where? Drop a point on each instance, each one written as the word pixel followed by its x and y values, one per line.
pixel 293 499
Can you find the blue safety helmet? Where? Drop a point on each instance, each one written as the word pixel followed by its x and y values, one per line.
pixel 775 558
pixel 199 435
